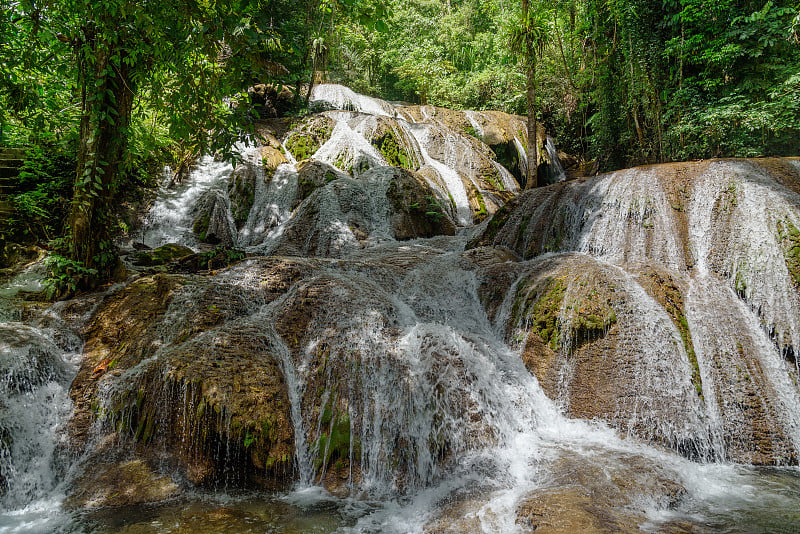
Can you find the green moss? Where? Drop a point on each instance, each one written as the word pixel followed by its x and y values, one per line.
pixel 200 226
pixel 242 201
pixel 470 130
pixel 672 300
pixel 392 151
pixel 163 254
pixel 790 239
pixel 686 336
pixel 540 308
pixel 334 442
pixel 482 211
pixel 497 222
pixel 301 145
pixel 433 210
pixel 305 141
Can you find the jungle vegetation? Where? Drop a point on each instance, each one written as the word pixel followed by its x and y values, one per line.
pixel 103 93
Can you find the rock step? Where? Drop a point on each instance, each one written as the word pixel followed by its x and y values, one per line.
pixel 11 162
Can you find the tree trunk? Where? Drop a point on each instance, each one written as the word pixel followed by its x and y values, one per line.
pixel 106 111
pixel 532 149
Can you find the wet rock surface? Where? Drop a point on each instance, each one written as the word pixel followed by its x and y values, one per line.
pixel 677 243
pixel 372 355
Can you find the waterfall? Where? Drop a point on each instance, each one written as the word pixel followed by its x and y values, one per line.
pixel 610 353
pixel 272 205
pixel 170 218
pixel 37 365
pixel 556 168
pixel 455 187
pixel 332 96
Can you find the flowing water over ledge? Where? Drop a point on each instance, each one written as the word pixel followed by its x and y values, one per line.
pixel 604 355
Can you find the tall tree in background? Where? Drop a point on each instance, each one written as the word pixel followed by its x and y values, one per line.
pixel 529 39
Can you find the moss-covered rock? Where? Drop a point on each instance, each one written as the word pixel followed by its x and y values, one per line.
pixel 162 255
pixel 313 174
pixel 213 221
pixel 416 210
pixel 397 147
pixel 216 258
pixel 305 139
pixel 175 367
pixel 790 240
pixel 582 328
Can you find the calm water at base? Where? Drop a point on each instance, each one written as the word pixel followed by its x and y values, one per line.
pixel 762 501
pixel 207 514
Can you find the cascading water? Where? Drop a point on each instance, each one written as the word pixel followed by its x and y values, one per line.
pixel 455 187
pixel 623 343
pixel 170 217
pixel 556 168
pixel 37 364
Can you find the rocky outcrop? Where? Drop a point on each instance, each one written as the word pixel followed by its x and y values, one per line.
pixel 309 136
pixel 369 350
pixel 670 245
pixel 313 174
pixel 172 362
pixel 599 494
pixel 212 222
pixel 161 256
pixel 123 483
pixel 347 214
pixel 416 211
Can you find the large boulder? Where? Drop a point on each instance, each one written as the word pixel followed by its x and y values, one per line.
pixel 162 255
pixel 306 138
pixel 416 211
pixel 177 367
pixel 212 221
pixel 346 214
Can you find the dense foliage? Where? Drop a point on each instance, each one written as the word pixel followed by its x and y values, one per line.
pixel 106 91
pixel 123 85
pixel 623 81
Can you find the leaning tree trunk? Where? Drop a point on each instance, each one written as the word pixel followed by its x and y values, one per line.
pixel 107 101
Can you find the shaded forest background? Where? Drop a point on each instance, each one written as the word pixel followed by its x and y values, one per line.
pixel 103 93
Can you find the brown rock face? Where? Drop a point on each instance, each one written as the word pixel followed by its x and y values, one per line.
pixel 120 484
pixel 586 495
pixel 671 245
pixel 313 174
pixel 177 364
pixel 416 212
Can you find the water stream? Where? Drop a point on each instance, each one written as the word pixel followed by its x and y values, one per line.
pixel 448 428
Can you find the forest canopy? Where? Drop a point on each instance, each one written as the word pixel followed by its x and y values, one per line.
pixel 625 82
pixel 104 92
